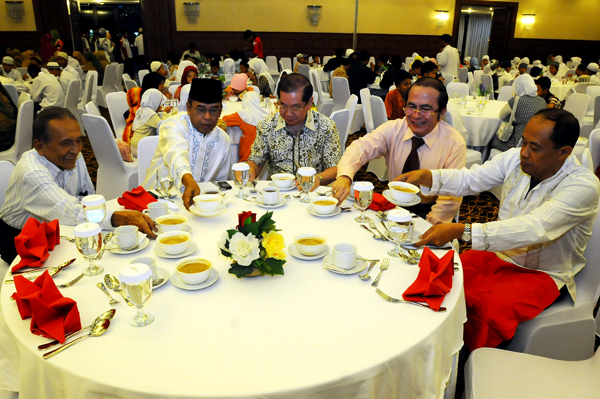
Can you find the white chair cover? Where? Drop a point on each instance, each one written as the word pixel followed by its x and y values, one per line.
pixel 22 98
pixel 351 105
pixel 456 87
pixel 141 74
pixel 341 119
pixel 12 92
pixel 119 83
pixel 477 75
pixel 324 104
pixel 341 92
pixel 108 85
pixel 487 69
pixel 378 111
pixel 90 108
pixel 271 62
pixel 117 105
pixel 303 70
pixel 6 169
pixel 365 99
pixel 326 59
pixel 173 88
pixel 594 146
pixel 487 81
pixel 23 134
pixel 130 84
pixel 287 63
pixel 294 61
pixel 593 92
pixel 146 149
pixel 448 79
pixel 506 93
pixel 582 87
pixel 463 75
pixel 72 100
pixel 89 89
pixel 596 112
pixel 577 104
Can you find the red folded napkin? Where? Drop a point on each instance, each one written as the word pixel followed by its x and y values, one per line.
pixel 34 242
pixel 52 315
pixel 379 203
pixel 434 280
pixel 137 199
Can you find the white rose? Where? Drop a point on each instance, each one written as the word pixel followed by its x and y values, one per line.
pixel 221 243
pixel 244 249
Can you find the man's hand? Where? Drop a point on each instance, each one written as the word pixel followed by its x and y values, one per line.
pixel 421 177
pixel 143 222
pixel 341 188
pixel 191 190
pixel 441 234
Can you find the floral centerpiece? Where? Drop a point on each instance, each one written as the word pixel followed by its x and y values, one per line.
pixel 483 91
pixel 254 247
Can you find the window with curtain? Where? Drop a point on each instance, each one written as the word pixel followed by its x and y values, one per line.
pixel 478 34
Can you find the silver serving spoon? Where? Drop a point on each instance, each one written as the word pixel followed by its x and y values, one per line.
pixel 98 328
pixel 114 284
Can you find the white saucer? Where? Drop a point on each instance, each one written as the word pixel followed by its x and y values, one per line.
pixel 176 281
pixel 310 210
pixel 191 249
pixel 293 186
pixel 197 212
pixel 282 202
pixel 226 199
pixel 388 196
pixel 161 273
pixel 293 250
pixel 359 267
pixel 115 249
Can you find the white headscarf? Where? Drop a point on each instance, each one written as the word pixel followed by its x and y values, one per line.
pixel 181 68
pixel 184 94
pixel 537 63
pixel 287 71
pixel 251 111
pixel 261 69
pixel 415 55
pixel 575 61
pixel 525 86
pixel 525 60
pixel 229 69
pixel 515 62
pixel 485 57
pixel 348 52
pixel 150 102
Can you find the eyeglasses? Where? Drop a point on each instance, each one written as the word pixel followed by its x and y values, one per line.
pixel 426 112
pixel 211 111
pixel 295 108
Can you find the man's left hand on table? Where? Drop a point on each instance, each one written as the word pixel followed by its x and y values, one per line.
pixel 441 234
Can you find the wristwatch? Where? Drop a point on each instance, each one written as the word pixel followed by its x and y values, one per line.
pixel 466 235
pixel 320 176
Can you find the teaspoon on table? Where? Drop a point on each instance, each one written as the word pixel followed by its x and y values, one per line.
pixel 114 284
pixel 98 328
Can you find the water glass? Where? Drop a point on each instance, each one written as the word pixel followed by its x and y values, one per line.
pixel 400 227
pixel 306 181
pixel 137 278
pixel 363 196
pixel 241 174
pixel 88 240
pixel 164 181
pixel 94 208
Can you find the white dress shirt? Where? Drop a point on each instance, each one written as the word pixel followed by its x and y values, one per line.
pixel 139 43
pixel 183 150
pixel 75 68
pixel 14 74
pixel 546 228
pixel 47 91
pixel 449 61
pixel 504 79
pixel 127 47
pixel 41 190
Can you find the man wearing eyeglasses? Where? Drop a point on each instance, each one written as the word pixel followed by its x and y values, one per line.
pixel 191 145
pixel 419 139
pixel 297 136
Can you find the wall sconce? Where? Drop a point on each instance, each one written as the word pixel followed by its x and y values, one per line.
pixel 442 16
pixel 15 10
pixel 314 14
pixel 528 20
pixel 191 11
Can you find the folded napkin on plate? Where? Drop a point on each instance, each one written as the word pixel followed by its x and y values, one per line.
pixel 52 315
pixel 137 199
pixel 434 280
pixel 379 203
pixel 34 242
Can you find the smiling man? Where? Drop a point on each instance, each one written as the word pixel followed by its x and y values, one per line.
pixel 50 180
pixel 419 140
pixel 191 145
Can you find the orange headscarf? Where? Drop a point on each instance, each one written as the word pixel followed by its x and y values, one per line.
pixel 133 100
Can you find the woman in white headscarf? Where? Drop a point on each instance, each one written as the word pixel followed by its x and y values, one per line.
pixel 265 81
pixel 229 69
pixel 525 60
pixel 146 118
pixel 247 118
pixel 529 104
pixel 575 61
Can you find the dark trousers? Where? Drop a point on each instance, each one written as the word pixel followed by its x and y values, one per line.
pixel 8 252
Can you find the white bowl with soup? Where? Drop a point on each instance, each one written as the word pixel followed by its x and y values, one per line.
pixel 324 205
pixel 193 270
pixel 207 202
pixel 403 192
pixel 310 244
pixel 174 242
pixel 283 180
pixel 167 223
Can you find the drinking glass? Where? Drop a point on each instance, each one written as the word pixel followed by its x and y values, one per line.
pixel 137 278
pixel 400 227
pixel 94 208
pixel 306 181
pixel 165 181
pixel 241 174
pixel 481 106
pixel 363 196
pixel 88 240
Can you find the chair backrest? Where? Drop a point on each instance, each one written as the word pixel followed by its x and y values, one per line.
pixel 102 140
pixel 487 69
pixel 92 109
pixel 256 89
pixel 594 145
pixel 582 87
pixel 314 80
pixel 477 75
pixel 341 119
pixel 577 105
pixel 326 59
pixel 378 111
pixel 23 97
pixel 286 62
pixel 408 61
pixel 271 62
pixel 351 106
pixel 456 87
pixel 593 92
pixel 587 280
pixel 22 71
pixel 570 71
pixel 463 74
pixel 110 78
pixel 392 87
pixel 281 66
pixel 141 74
pixel 341 92
pixel 6 169
pixel 173 89
pixel 120 79
pixel 24 129
pixel 487 81
pixel 596 112
pixel 365 99
pixel 294 61
pixel 12 92
pixel 91 85
pixel 130 84
pixel 303 69
pixel 448 79
pixel 72 97
pixel 506 92
pixel 145 152
pixel 117 105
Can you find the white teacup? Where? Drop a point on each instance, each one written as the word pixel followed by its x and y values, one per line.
pixel 324 205
pixel 175 248
pixel 270 195
pixel 283 180
pixel 156 209
pixel 193 276
pixel 308 244
pixel 167 223
pixel 344 256
pixel 146 260
pixel 207 202
pixel 403 192
pixel 126 237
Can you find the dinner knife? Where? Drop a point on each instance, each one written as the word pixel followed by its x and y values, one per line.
pixel 65 264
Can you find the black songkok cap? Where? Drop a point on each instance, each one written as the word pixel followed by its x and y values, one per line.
pixel 207 91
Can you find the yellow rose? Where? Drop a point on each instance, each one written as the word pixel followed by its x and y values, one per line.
pixel 274 245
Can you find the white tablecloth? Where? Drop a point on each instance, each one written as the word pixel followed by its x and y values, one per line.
pixel 308 334
pixel 481 129
pixel 560 90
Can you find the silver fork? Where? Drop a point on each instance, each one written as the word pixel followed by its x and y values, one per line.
pixel 70 283
pixel 374 227
pixel 112 301
pixel 375 236
pixel 366 275
pixel 384 266
pixel 394 300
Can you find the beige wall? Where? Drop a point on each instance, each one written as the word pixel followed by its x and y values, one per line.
pixel 28 23
pixel 558 19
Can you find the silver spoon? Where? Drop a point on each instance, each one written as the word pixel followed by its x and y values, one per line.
pixel 97 329
pixel 112 301
pixel 114 284
pixel 366 275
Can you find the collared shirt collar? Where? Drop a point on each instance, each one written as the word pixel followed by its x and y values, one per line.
pixel 429 138
pixel 310 122
pixel 195 131
pixel 59 175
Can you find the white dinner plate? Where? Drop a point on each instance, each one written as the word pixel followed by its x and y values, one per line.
pixel 388 196
pixel 161 273
pixel 191 249
pixel 359 267
pixel 310 210
pixel 293 186
pixel 293 250
pixel 258 201
pixel 176 281
pixel 197 212
pixel 115 249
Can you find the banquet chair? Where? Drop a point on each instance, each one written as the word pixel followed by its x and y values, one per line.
pixel 294 61
pixel 375 166
pixel 378 111
pixel 286 62
pixel 506 93
pixel 342 120
pixel 454 119
pixel 72 100
pixel 596 112
pixel 146 149
pixel 119 82
pixel 12 92
pixel 173 89
pixel 582 87
pixel 90 108
pixel 130 84
pixel 271 62
pixel 448 79
pixel 463 75
pixel 341 92
pixel 326 59
pixel 593 92
pixel 325 103
pixel 486 80
pixel 23 134
pixel 392 87
pixel 108 85
pixel 577 104
pixel 303 70
pixel 6 169
pixel 408 61
pixel 22 70
pixel 487 69
pixel 117 106
pixel 89 90
pixel 355 119
pixel 456 87
pixel 141 74
pixel 281 66
pixel 114 175
pixel 22 98
pixel 490 371
pixel 365 99
pixel 256 89
pixel 594 147
pixel 477 76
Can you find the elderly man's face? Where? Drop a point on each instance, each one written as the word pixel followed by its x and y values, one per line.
pixel 425 100
pixel 7 67
pixel 204 117
pixel 291 107
pixel 64 144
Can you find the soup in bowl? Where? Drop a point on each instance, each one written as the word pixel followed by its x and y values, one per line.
pixel 193 270
pixel 167 223
pixel 324 205
pixel 174 242
pixel 207 202
pixel 310 244
pixel 282 180
pixel 403 192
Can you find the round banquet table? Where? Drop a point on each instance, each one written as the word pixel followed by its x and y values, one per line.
pixel 560 90
pixel 308 334
pixel 481 129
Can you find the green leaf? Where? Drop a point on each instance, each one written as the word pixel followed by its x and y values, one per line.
pixel 225 253
pixel 231 232
pixel 275 266
pixel 240 271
